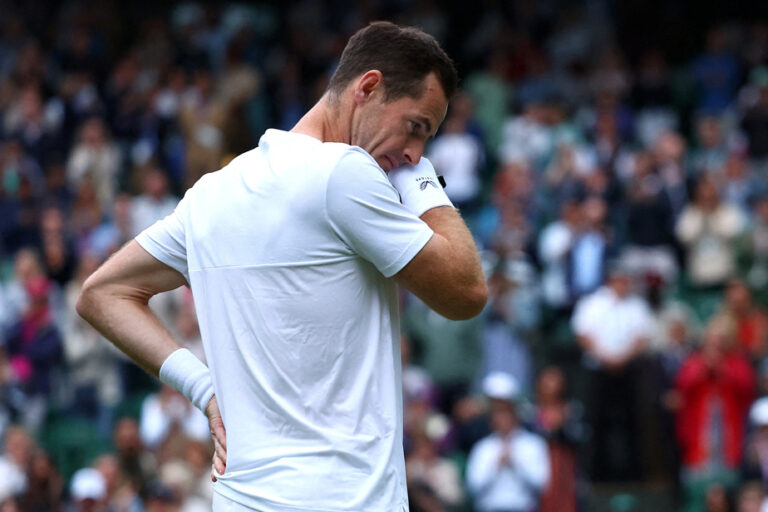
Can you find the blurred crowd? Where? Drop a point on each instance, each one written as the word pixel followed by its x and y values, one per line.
pixel 619 197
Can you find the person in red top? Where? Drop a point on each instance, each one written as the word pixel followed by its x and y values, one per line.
pixel 716 385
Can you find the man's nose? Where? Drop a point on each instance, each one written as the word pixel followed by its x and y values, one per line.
pixel 412 154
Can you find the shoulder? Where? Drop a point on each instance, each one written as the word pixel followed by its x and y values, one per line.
pixel 488 443
pixel 355 171
pixel 531 440
pixel 637 303
pixel 600 298
pixel 354 159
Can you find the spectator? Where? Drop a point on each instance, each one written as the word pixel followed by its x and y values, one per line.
pixel 716 499
pixel 45 486
pixel 459 156
pixel 22 189
pixel 89 491
pixel 669 156
pixel 167 421
pixel 751 498
pixel 26 267
pixel 533 136
pixel 17 454
pixel 502 225
pixel 202 118
pixel 653 96
pixel 122 496
pixel 555 245
pixel 591 249
pixel 27 119
pixel 738 182
pixel 425 467
pixel 512 314
pixel 649 251
pixel 707 228
pixel 749 319
pixel 161 498
pixel 154 203
pixel 492 95
pixel 58 249
pixel 755 120
pixel 509 469
pixel 95 160
pixel 716 385
pixel 710 155
pixel 113 231
pixel 716 73
pixel 91 360
pixel 755 463
pixel 450 351
pixel 613 328
pixel 179 479
pixel 137 464
pixel 560 422
pixel 34 349
pixel 753 251
pixel 676 335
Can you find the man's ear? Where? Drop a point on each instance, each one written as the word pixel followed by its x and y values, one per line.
pixel 369 85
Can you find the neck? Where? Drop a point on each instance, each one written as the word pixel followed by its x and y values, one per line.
pixel 327 121
pixel 506 432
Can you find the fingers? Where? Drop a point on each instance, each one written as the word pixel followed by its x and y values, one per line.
pixel 219 436
pixel 220 447
pixel 218 432
pixel 219 464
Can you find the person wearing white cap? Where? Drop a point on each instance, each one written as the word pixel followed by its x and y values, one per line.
pixel 88 490
pixel 507 470
pixel 755 464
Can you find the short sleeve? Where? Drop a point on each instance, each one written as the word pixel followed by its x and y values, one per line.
pixel 166 239
pixel 364 210
pixel 581 320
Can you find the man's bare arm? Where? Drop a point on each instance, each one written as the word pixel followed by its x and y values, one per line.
pixel 115 301
pixel 446 274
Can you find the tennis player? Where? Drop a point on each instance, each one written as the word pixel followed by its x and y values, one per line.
pixel 293 252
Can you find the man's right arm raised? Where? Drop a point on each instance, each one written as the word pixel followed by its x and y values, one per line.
pixel 446 274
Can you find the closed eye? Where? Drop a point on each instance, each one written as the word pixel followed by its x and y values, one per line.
pixel 416 128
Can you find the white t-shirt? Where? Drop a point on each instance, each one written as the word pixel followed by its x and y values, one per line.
pixel 287 251
pixel 516 486
pixel 613 323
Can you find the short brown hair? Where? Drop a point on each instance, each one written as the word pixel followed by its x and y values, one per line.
pixel 404 55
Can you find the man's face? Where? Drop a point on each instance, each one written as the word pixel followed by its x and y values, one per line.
pixel 395 132
pixel 503 419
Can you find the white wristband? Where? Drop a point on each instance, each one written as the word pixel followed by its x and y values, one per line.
pixel 189 376
pixel 419 188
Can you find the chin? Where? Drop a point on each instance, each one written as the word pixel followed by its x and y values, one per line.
pixel 384 163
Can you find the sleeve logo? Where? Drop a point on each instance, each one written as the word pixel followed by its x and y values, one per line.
pixel 425 182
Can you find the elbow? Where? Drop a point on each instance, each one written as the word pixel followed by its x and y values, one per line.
pixel 82 305
pixel 471 303
pixel 477 298
pixel 87 300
